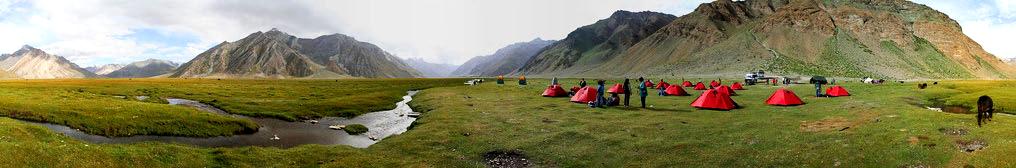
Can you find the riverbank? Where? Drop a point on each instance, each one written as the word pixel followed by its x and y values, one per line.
pixel 110 107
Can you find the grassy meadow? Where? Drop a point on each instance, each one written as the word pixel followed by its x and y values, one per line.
pixel 879 126
pixel 112 106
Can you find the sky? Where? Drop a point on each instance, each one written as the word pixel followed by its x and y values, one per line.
pixel 96 32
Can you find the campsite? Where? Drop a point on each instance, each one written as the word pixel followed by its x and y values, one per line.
pixel 877 125
pixel 507 83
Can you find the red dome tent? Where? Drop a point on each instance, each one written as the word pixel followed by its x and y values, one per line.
pixel 687 84
pixel 737 86
pixel 617 89
pixel 675 90
pixel 714 84
pixel 663 85
pixel 700 86
pixel 837 91
pixel 649 84
pixel 712 99
pixel 555 91
pixel 584 95
pixel 784 97
pixel 726 90
pixel 575 89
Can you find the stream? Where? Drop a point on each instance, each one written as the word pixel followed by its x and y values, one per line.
pixel 381 124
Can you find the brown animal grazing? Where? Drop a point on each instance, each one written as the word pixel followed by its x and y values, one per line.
pixel 922 86
pixel 985 110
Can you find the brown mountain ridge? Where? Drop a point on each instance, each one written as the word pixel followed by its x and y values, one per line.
pixel 894 39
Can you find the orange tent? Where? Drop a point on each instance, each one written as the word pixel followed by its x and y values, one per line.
pixel 675 90
pixel 700 86
pixel 737 86
pixel 554 91
pixel 711 99
pixel 584 95
pixel 617 89
pixel 837 91
pixel 784 97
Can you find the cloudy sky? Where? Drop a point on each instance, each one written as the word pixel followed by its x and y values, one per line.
pixel 94 32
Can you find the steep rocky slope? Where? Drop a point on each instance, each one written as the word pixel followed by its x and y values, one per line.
pixel 848 38
pixel 32 63
pixel 275 54
pixel 144 69
pixel 345 55
pixel 505 60
pixel 590 46
pixel 430 70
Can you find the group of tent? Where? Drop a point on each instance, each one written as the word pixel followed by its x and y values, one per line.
pixel 717 97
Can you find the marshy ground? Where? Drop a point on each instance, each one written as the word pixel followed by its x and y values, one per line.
pixel 476 126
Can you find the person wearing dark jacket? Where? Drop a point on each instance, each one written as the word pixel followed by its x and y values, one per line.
pixel 627 91
pixel 643 91
pixel 582 83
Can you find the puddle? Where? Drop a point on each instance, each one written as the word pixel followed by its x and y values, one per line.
pixel 277 133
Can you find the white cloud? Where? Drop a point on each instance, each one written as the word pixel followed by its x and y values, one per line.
pixel 446 31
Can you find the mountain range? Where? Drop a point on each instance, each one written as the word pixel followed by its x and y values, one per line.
pixel 504 60
pixel 104 69
pixel 31 63
pixel 275 54
pixel 431 70
pixel 847 38
pixel 144 69
pixel 895 39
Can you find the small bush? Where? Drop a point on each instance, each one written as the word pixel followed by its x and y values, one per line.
pixel 355 129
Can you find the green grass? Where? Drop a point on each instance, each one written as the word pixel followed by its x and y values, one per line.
pixel 355 129
pixel 109 107
pixel 460 124
pixel 966 93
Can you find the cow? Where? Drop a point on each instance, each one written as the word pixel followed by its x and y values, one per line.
pixel 985 110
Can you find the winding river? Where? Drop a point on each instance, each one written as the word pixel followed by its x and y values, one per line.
pixel 381 124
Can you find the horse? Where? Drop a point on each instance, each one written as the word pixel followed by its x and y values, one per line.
pixel 985 110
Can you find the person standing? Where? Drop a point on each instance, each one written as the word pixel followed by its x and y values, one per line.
pixel 643 92
pixel 662 90
pixel 582 83
pixel 627 91
pixel 553 81
pixel 818 89
pixel 600 101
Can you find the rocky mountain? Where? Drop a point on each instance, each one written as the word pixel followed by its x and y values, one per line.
pixel 275 54
pixel 144 69
pixel 895 39
pixel 345 55
pixel 431 70
pixel 32 63
pixel 104 69
pixel 504 60
pixel 590 46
